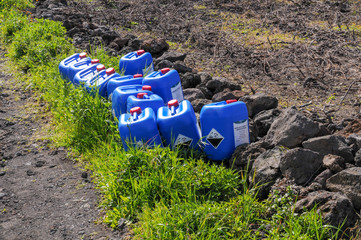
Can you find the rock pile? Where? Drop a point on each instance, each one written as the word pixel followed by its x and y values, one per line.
pixel 322 164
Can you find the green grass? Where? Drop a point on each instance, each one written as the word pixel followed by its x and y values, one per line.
pixel 162 194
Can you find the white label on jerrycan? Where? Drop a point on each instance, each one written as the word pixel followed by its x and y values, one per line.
pixel 177 92
pixel 241 132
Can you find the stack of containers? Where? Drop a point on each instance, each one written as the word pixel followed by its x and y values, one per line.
pixel 126 80
pixel 99 82
pixel 121 94
pixel 77 67
pixel 144 98
pixel 66 63
pixel 87 74
pixel 224 127
pixel 139 128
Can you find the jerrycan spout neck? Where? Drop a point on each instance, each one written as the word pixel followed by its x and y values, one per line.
pixel 173 105
pixel 135 112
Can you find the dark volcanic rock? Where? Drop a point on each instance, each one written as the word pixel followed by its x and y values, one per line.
pixel 205 77
pixel 172 56
pixel 164 64
pixel 348 182
pixel 121 42
pixel 259 102
pixel 334 163
pixel 266 170
pixel 218 84
pixel 190 80
pixel 300 165
pixel 192 94
pixel 199 103
pixel 222 96
pixel 244 155
pixel 207 93
pixel 291 128
pixel 322 177
pixel 357 158
pixel 155 46
pixel 181 67
pixel 334 207
pixel 264 120
pixel 330 144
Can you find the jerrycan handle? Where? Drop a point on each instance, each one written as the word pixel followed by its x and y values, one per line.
pixel 135 112
pixel 173 104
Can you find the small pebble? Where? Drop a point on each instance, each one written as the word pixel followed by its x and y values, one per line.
pixel 39 163
pixel 2 195
pixel 30 173
pixel 2 173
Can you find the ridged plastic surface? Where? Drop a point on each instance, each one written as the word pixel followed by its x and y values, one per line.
pixel 139 129
pixel 167 86
pixel 224 127
pixel 85 75
pixel 99 83
pixel 120 96
pixel 66 63
pixel 151 100
pixel 132 64
pixel 122 81
pixel 178 125
pixel 77 67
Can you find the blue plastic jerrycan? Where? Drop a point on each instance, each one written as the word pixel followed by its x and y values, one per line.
pixel 77 67
pixel 165 83
pixel 98 84
pixel 87 74
pixel 67 62
pixel 178 124
pixel 224 127
pixel 144 100
pixel 139 62
pixel 113 83
pixel 120 96
pixel 139 128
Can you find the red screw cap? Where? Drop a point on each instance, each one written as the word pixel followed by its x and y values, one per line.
pixel 94 61
pixel 141 95
pixel 164 70
pixel 137 110
pixel 110 71
pixel 147 87
pixel 100 67
pixel 82 55
pixel 231 101
pixel 140 52
pixel 173 102
pixel 137 75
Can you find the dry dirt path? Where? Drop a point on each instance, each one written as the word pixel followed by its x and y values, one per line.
pixel 43 194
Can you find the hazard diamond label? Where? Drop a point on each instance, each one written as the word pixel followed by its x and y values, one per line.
pixel 184 140
pixel 214 138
